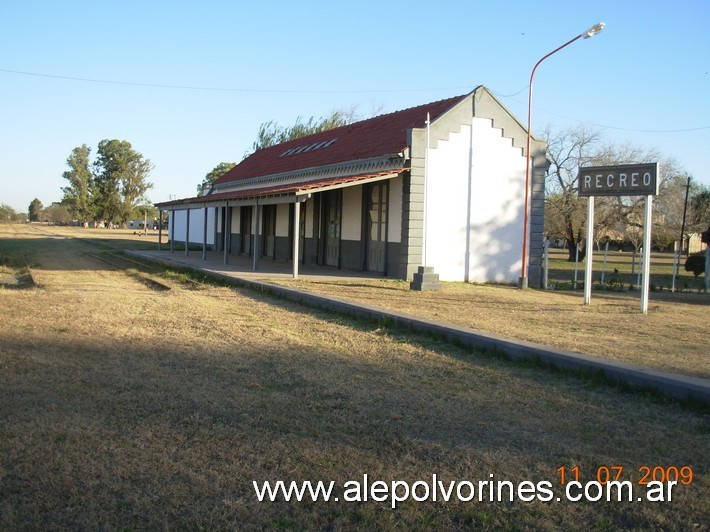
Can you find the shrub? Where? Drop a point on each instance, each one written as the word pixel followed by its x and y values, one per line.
pixel 696 264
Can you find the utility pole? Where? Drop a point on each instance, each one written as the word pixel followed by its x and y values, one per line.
pixel 682 235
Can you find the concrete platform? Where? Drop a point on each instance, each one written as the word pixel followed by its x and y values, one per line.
pixel 240 272
pixel 243 267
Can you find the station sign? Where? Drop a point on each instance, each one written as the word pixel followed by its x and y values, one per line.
pixel 618 180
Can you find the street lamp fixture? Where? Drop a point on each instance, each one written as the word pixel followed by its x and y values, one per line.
pixel 594 30
pixel 591 32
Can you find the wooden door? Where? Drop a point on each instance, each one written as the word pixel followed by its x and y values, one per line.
pixel 245 215
pixel 332 219
pixel 377 227
pixel 269 230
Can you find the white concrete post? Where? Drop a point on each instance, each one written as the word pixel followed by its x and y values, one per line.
pixel 227 232
pixel 160 231
pixel 257 218
pixel 606 252
pixel 646 254
pixel 171 221
pixel 296 235
pixel 204 236
pixel 590 250
pixel 187 232
pixel 547 264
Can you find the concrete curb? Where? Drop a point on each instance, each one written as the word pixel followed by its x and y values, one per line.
pixel 670 384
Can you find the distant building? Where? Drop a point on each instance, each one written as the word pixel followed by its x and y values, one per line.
pixel 138 224
pixel 385 195
pixel 694 243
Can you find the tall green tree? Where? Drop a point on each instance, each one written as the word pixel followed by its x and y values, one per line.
pixel 212 176
pixel 34 210
pixel 120 180
pixel 78 195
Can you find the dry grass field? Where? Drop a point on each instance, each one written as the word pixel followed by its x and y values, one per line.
pixel 126 406
pixel 672 336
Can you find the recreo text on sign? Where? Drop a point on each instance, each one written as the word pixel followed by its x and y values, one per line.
pixel 619 180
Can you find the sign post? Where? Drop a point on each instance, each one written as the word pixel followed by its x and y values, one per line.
pixel 646 253
pixel 590 249
pixel 619 180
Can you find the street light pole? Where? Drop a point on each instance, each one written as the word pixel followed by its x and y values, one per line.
pixel 591 32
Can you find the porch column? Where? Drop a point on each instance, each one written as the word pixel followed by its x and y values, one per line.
pixel 216 229
pixel 296 235
pixel 160 230
pixel 187 232
pixel 204 237
pixel 227 231
pixel 171 221
pixel 257 217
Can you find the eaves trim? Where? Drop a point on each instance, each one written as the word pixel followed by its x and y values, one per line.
pixel 348 168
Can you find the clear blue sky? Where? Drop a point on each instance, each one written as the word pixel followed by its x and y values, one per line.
pixel 642 80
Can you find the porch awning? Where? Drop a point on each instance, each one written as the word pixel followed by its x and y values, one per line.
pixel 286 193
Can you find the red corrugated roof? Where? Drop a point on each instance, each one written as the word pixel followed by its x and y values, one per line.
pixel 378 136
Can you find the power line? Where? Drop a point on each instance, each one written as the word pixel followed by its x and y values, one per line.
pixel 652 130
pixel 321 91
pixel 605 126
pixel 222 89
pixel 514 94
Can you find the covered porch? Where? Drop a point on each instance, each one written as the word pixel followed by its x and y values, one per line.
pixel 322 227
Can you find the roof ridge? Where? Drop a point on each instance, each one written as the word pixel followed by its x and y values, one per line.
pixel 372 118
pixel 412 108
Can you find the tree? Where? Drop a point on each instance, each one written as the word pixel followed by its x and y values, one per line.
pixel 628 211
pixel 56 213
pixel 217 172
pixel 270 133
pixel 7 214
pixel 34 210
pixel 668 210
pixel 699 213
pixel 564 210
pixel 695 263
pixel 78 195
pixel 120 180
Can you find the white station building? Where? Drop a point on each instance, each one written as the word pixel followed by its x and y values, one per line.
pixel 439 185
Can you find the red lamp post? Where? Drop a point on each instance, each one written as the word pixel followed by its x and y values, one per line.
pixel 523 281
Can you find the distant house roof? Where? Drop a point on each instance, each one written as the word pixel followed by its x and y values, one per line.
pixel 376 137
